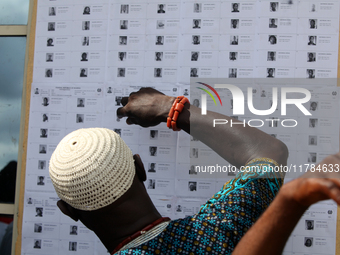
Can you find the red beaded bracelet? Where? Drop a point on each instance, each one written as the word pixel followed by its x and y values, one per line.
pixel 176 109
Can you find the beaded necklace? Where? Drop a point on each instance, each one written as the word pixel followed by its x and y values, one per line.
pixel 144 235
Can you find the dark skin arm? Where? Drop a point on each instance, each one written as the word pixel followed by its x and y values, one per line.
pixel 149 107
pixel 272 230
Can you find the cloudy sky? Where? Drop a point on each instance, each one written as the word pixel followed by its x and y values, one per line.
pixel 14 12
pixel 12 56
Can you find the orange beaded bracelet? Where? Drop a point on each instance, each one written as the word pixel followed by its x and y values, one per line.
pixel 176 109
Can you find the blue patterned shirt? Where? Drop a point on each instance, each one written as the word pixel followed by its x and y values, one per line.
pixel 224 219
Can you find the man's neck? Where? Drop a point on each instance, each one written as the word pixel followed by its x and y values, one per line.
pixel 118 221
pixel 112 237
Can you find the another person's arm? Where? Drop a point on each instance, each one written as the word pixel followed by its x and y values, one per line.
pixel 237 144
pixel 272 230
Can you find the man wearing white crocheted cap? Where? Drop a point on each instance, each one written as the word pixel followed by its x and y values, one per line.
pixel 94 172
pixel 101 184
pixel 91 168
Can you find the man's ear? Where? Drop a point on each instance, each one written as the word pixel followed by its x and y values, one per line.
pixel 140 170
pixel 67 210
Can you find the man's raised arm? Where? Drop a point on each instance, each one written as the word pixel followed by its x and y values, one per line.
pixel 237 144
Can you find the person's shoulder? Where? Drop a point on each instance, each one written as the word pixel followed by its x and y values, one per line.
pixel 261 161
pixel 255 171
pixel 263 167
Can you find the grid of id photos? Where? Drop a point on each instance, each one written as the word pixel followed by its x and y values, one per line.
pixel 150 41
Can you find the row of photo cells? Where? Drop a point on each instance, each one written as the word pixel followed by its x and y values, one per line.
pixel 234 24
pixel 233 56
pixel 194 72
pixel 197 8
pixel 38 245
pixel 196 40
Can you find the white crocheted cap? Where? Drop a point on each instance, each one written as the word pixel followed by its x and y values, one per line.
pixel 91 168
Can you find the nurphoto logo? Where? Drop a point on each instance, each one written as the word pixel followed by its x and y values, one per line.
pixel 239 102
